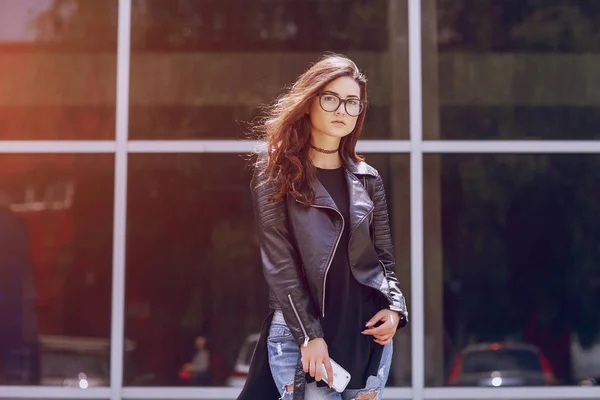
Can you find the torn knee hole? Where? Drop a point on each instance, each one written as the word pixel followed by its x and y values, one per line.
pixel 366 396
pixel 287 392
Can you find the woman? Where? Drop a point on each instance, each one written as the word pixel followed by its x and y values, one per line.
pixel 325 244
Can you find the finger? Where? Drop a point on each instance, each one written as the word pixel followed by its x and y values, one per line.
pixel 329 370
pixel 319 370
pixel 313 368
pixel 382 342
pixel 380 330
pixel 376 318
pixel 385 333
pixel 386 327
pixel 384 337
pixel 305 365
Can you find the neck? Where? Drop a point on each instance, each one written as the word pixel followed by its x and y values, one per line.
pixel 323 160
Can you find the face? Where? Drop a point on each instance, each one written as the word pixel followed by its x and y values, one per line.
pixel 337 123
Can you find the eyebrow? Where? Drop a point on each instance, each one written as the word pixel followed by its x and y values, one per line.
pixel 337 94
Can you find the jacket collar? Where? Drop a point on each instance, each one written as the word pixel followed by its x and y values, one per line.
pixel 359 167
pixel 360 201
pixel 355 187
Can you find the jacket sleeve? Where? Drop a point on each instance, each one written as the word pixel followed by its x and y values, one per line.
pixel 382 240
pixel 281 265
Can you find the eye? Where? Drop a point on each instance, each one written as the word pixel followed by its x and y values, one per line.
pixel 329 98
pixel 354 103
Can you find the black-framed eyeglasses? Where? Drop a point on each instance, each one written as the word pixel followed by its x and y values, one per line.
pixel 330 102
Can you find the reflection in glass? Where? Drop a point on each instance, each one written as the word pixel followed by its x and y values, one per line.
pixel 57 69
pixel 193 267
pixel 512 269
pixel 55 269
pixel 201 68
pixel 195 292
pixel 511 69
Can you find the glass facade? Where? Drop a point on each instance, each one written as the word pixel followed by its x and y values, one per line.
pixel 200 68
pixel 127 240
pixel 513 69
pixel 56 266
pixel 516 236
pixel 57 69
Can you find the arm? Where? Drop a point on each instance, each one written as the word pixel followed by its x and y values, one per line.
pixel 382 240
pixel 281 265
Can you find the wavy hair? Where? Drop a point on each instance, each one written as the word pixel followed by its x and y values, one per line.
pixel 286 129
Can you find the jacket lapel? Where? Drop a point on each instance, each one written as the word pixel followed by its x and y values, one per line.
pixel 361 204
pixel 322 196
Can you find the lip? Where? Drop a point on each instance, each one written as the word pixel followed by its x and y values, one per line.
pixel 338 122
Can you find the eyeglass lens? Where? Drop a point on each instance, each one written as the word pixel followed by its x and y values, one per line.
pixel 330 103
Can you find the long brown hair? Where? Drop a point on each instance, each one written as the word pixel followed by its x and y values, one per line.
pixel 286 129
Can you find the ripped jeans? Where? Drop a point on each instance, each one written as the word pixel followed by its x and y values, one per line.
pixel 283 356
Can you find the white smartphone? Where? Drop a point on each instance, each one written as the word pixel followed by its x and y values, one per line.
pixel 341 377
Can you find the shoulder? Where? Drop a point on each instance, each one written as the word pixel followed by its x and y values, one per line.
pixel 370 170
pixel 261 185
pixel 362 168
pixel 258 164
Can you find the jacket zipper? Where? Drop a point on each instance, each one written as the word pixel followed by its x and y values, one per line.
pixel 387 295
pixel 332 254
pixel 306 338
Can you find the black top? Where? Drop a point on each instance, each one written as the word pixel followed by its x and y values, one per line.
pixel 348 304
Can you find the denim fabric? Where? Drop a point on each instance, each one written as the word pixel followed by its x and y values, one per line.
pixel 283 356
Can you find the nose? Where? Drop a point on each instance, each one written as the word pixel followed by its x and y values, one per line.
pixel 340 110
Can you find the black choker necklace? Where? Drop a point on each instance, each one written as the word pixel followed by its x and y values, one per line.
pixel 323 150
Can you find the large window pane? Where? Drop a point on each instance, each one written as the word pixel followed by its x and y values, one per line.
pixel 200 68
pixel 194 269
pixel 511 69
pixel 512 269
pixel 55 269
pixel 57 69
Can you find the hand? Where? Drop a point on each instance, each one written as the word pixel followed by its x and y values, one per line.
pixel 313 356
pixel 384 333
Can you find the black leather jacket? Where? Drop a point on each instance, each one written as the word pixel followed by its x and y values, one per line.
pixel 298 243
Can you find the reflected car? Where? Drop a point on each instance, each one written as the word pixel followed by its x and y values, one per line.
pixel 499 365
pixel 74 370
pixel 590 381
pixel 242 366
pixel 75 361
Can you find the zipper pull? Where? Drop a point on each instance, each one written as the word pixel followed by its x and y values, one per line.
pixel 306 341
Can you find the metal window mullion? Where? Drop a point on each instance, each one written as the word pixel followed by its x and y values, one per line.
pixel 214 393
pixel 513 146
pixel 52 392
pixel 120 201
pixel 246 146
pixel 56 146
pixel 477 393
pixel 243 146
pixel 416 199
